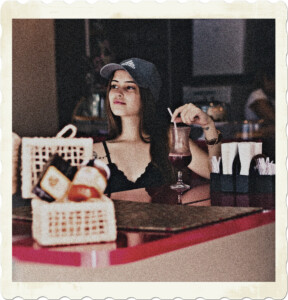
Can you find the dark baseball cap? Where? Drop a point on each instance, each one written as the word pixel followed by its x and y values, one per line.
pixel 144 73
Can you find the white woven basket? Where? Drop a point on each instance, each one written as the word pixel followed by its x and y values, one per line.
pixel 60 223
pixel 37 150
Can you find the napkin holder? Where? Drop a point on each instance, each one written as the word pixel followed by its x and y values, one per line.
pixel 215 182
pixel 235 183
pixel 222 183
pixel 254 182
pixel 244 184
pixel 227 183
pixel 264 184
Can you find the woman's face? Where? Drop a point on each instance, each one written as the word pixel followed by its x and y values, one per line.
pixel 124 95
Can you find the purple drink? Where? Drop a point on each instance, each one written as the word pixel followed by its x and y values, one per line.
pixel 180 161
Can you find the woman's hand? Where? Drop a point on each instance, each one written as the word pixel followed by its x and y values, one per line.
pixel 191 114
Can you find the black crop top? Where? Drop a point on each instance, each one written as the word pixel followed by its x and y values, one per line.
pixel 119 182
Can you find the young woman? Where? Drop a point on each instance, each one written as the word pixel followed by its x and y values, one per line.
pixel 137 148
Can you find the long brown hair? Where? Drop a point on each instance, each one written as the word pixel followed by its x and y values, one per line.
pixel 155 128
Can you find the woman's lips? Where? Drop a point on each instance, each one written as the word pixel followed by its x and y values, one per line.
pixel 119 102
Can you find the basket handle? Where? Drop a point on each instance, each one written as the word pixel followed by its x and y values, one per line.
pixel 65 129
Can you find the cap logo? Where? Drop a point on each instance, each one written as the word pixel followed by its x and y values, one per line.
pixel 129 63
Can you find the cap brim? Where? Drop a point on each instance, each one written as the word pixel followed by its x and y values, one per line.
pixel 109 69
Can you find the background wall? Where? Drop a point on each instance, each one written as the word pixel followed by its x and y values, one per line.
pixel 50 64
pixel 70 66
pixel 34 107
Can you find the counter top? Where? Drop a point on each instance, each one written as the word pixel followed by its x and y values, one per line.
pixel 212 216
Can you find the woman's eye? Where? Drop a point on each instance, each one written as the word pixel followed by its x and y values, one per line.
pixel 130 88
pixel 113 86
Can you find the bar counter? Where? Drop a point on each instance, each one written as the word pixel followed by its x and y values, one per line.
pixel 235 243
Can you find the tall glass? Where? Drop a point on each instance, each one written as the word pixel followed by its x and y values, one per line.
pixel 179 154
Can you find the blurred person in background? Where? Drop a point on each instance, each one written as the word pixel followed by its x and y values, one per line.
pixel 260 104
pixel 260 108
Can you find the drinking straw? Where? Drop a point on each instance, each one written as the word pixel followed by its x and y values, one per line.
pixel 170 112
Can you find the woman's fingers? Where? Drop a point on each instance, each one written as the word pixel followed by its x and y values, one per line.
pixel 178 120
pixel 182 111
pixel 176 112
pixel 188 114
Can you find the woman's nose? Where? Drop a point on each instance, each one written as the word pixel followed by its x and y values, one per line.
pixel 120 92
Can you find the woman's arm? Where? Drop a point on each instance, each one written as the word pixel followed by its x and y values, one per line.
pixel 191 114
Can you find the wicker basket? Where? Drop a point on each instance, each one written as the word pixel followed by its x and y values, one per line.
pixel 37 151
pixel 63 223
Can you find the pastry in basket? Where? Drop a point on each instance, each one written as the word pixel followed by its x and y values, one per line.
pixel 89 182
pixel 55 179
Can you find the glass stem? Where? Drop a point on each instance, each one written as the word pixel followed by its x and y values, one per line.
pixel 180 180
pixel 179 197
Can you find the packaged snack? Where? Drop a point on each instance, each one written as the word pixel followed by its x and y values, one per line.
pixel 55 179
